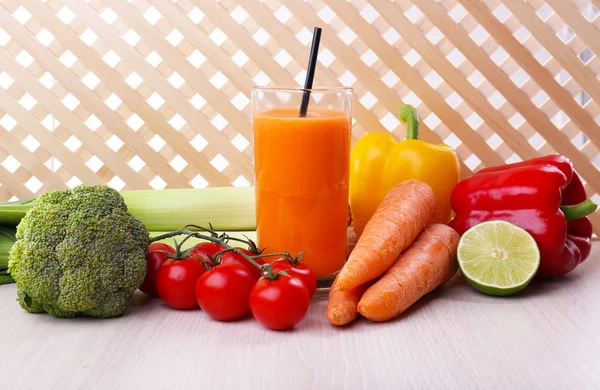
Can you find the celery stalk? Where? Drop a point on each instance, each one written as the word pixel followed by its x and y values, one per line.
pixel 12 212
pixel 226 208
pixel 7 239
pixel 6 279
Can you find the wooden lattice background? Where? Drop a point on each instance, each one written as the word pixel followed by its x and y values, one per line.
pixel 155 93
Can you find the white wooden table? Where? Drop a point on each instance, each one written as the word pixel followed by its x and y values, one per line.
pixel 548 338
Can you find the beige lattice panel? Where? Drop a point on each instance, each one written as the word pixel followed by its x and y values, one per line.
pixel 156 93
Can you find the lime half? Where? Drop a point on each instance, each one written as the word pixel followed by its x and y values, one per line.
pixel 498 258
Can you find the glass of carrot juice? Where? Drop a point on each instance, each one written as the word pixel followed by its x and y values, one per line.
pixel 301 165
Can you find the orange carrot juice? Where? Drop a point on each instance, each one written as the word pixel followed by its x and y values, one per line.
pixel 301 167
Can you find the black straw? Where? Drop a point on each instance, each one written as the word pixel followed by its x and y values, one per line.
pixel 310 72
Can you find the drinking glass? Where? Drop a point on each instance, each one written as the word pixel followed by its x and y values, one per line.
pixel 301 167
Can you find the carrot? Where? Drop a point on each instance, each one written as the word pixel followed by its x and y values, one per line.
pixel 404 212
pixel 342 305
pixel 429 262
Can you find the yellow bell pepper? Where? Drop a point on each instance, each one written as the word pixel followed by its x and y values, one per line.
pixel 378 162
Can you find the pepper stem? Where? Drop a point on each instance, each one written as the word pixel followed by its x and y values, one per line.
pixel 579 210
pixel 409 115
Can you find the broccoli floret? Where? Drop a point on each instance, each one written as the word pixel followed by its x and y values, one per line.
pixel 78 252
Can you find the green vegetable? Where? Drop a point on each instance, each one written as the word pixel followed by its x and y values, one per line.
pixel 12 212
pixel 6 243
pixel 78 252
pixel 7 239
pixel 226 208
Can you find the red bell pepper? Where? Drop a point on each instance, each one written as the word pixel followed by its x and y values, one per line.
pixel 544 196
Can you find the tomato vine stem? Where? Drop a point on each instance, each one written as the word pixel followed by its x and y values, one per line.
pixel 223 239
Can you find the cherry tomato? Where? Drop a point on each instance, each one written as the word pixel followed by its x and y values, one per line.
pixel 301 271
pixel 203 250
pixel 155 258
pixel 279 304
pixel 232 257
pixel 223 291
pixel 176 282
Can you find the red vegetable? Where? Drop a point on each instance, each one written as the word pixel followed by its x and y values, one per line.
pixel 176 282
pixel 280 303
pixel 223 291
pixel 298 270
pixel 232 257
pixel 544 196
pixel 204 251
pixel 157 255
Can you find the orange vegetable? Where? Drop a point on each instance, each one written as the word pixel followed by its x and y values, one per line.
pixel 429 262
pixel 342 305
pixel 404 212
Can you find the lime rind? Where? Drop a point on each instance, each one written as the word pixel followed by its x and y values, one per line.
pixel 498 258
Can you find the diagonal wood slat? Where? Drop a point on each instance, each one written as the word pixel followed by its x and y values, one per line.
pixel 265 18
pixel 154 79
pixel 502 82
pixel 553 44
pixel 326 76
pixel 417 84
pixel 66 117
pixel 156 93
pixel 537 72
